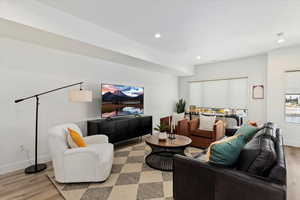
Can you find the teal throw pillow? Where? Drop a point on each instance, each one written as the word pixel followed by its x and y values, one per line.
pixel 247 131
pixel 226 152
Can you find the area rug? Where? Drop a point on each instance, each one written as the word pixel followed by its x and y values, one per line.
pixel 131 178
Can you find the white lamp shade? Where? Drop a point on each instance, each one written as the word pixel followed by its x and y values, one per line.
pixel 80 96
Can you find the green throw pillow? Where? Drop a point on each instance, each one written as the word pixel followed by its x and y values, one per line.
pixel 247 131
pixel 226 151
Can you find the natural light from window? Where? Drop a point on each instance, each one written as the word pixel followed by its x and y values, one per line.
pixel 292 108
pixel 292 97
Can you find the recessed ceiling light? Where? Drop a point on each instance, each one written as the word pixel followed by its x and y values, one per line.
pixel 280 38
pixel 198 57
pixel 157 35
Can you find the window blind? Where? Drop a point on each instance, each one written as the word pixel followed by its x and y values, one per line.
pixel 292 82
pixel 230 93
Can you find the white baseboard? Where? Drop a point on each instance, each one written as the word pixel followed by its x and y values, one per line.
pixel 294 143
pixel 21 164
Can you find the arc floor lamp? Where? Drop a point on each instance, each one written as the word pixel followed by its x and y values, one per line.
pixel 74 95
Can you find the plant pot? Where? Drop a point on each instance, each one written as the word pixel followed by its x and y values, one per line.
pixel 162 135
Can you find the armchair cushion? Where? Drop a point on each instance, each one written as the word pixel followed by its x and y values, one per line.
pixel 207 122
pixel 96 139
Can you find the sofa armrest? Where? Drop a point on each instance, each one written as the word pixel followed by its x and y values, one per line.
pixel 96 139
pixel 219 130
pixel 182 127
pixel 216 183
pixel 193 124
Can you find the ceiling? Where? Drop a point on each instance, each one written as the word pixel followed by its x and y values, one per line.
pixel 216 30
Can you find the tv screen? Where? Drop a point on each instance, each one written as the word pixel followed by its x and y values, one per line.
pixel 120 100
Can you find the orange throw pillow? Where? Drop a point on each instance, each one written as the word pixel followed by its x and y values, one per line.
pixel 252 123
pixel 74 139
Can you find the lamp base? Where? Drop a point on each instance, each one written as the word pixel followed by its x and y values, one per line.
pixel 35 169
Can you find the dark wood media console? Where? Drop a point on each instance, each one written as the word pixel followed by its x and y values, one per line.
pixel 121 128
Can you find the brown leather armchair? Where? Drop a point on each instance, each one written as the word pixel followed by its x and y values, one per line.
pixel 203 138
pixel 181 128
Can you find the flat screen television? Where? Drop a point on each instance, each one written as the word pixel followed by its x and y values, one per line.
pixel 120 100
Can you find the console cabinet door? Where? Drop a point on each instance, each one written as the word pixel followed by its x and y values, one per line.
pixel 121 130
pixel 145 125
pixel 109 129
pixel 133 125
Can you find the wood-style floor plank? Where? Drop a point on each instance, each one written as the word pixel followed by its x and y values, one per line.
pixel 20 186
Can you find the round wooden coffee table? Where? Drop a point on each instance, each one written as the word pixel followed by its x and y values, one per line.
pixel 161 156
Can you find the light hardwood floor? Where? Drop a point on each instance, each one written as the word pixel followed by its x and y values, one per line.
pixel 19 186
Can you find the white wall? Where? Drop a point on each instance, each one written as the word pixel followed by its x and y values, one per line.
pixel 252 67
pixel 26 69
pixel 279 61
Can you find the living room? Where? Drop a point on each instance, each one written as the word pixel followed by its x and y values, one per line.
pixel 246 59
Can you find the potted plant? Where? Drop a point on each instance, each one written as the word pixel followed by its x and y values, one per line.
pixel 180 106
pixel 162 130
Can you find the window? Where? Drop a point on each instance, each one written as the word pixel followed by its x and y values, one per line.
pixel 227 93
pixel 292 97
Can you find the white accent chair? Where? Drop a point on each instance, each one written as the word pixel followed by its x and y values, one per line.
pixel 86 164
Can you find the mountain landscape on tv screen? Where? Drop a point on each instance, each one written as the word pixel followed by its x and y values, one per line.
pixel 121 100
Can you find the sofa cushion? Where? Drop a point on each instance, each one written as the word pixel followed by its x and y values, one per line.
pixel 225 152
pixel 258 156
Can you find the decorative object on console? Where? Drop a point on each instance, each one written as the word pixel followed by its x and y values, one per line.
pixel 92 163
pixel 40 167
pixel 257 92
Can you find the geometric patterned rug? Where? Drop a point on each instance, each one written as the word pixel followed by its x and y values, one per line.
pixel 131 178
